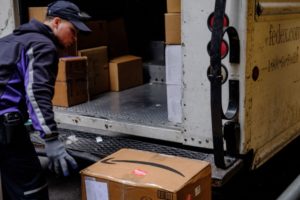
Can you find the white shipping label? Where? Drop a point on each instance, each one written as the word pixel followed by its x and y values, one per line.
pixel 96 190
pixel 197 190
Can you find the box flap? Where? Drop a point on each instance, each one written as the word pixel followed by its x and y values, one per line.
pixel 92 50
pixel 124 58
pixel 73 58
pixel 146 169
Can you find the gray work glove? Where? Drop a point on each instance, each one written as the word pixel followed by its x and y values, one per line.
pixel 59 159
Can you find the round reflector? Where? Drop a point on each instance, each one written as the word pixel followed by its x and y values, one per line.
pixel 224 48
pixel 210 21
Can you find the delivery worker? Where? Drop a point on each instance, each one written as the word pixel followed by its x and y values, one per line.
pixel 28 69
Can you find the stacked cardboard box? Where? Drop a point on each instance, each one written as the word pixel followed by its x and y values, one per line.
pixel 71 82
pixel 173 22
pixel 106 42
pixel 134 175
pixel 97 70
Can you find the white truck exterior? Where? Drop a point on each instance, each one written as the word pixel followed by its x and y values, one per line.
pixel 269 105
pixel 9 18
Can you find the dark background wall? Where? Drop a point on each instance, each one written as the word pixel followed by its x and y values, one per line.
pixel 144 19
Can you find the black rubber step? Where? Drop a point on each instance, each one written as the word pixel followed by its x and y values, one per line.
pixel 103 146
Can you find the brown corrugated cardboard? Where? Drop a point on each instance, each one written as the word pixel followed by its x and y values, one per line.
pixel 70 92
pixel 71 82
pixel 71 68
pixel 125 72
pixel 173 28
pixel 134 175
pixel 173 6
pixel 38 13
pixel 97 70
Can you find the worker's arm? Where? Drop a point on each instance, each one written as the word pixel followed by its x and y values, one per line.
pixel 39 83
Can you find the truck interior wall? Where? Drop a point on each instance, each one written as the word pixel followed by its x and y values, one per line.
pixel 144 19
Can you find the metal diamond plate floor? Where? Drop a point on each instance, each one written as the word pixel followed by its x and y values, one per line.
pixel 145 104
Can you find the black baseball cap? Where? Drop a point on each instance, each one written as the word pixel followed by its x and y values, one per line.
pixel 70 12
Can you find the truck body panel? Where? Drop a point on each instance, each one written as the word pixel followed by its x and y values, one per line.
pixel 9 17
pixel 196 93
pixel 272 101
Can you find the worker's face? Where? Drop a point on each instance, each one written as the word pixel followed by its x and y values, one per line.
pixel 65 32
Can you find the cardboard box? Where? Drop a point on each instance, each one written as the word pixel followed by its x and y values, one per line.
pixel 173 28
pixel 71 68
pixel 134 175
pixel 173 6
pixel 125 72
pixel 97 70
pixel 71 83
pixel 69 93
pixel 38 13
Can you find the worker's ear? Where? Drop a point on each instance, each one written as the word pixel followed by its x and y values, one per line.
pixel 55 22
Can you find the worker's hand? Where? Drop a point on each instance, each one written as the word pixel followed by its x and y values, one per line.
pixel 59 158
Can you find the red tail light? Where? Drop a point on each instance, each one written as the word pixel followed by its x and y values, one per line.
pixel 210 21
pixel 224 48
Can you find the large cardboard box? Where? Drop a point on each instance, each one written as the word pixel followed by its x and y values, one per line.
pixel 38 13
pixel 70 92
pixel 134 175
pixel 71 82
pixel 97 70
pixel 173 6
pixel 173 28
pixel 125 72
pixel 71 68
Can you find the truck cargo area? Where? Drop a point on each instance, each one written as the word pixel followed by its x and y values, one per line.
pixel 139 111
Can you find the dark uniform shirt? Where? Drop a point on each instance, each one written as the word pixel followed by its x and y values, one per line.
pixel 28 69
